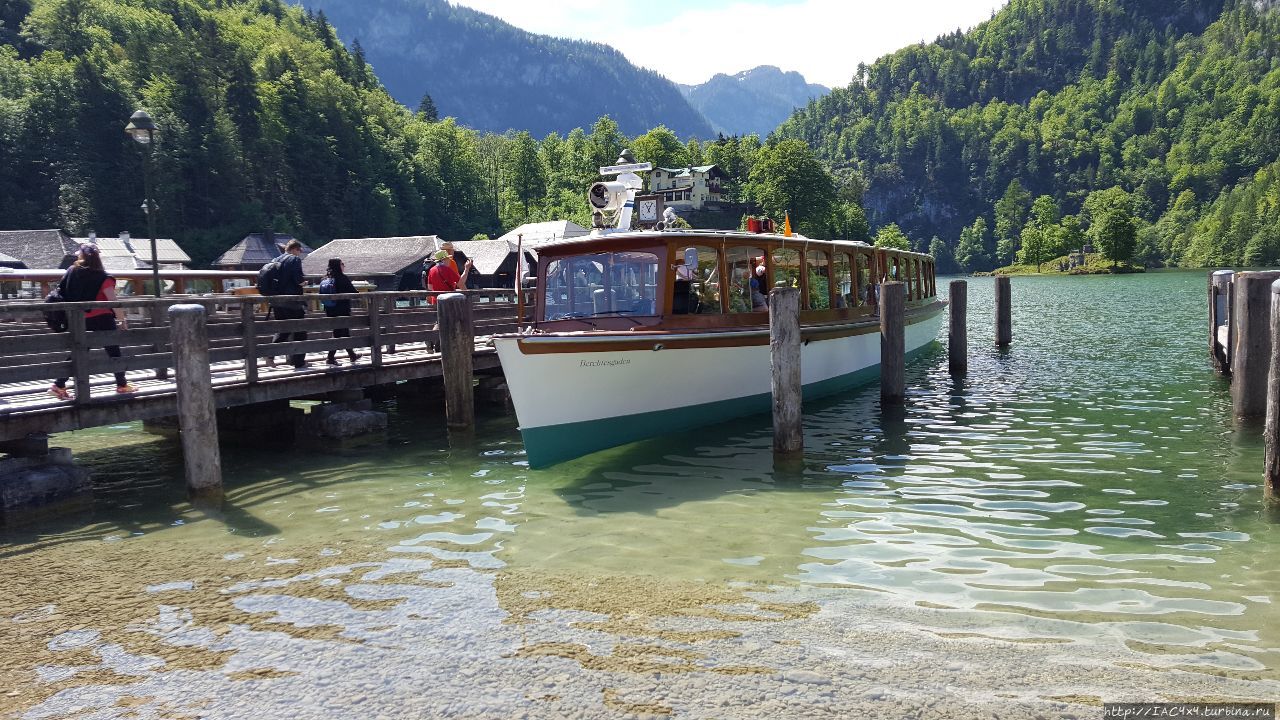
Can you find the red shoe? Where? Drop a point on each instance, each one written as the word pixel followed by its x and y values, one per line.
pixel 59 392
pixel 126 389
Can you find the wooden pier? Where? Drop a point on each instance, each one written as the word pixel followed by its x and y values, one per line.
pixel 395 332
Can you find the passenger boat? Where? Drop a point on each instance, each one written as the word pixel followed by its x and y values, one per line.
pixel 636 334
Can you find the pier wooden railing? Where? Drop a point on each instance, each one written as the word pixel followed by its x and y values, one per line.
pixel 238 332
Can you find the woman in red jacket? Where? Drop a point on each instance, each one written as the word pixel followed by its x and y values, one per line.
pixel 86 281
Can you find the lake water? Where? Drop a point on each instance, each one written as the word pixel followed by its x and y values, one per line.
pixel 1076 521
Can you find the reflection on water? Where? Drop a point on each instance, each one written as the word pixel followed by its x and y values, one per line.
pixel 1079 501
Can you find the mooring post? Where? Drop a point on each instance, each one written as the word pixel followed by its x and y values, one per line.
pixel 197 413
pixel 1271 436
pixel 1220 320
pixel 457 343
pixel 893 343
pixel 1251 354
pixel 1004 311
pixel 784 364
pixel 958 327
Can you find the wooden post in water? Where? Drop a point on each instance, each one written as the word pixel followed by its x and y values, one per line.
pixel 1271 437
pixel 1004 311
pixel 1251 354
pixel 197 413
pixel 958 327
pixel 457 344
pixel 1219 320
pixel 893 343
pixel 784 364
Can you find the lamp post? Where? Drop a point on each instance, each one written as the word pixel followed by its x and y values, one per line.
pixel 143 130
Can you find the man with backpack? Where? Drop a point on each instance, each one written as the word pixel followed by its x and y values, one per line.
pixel 286 278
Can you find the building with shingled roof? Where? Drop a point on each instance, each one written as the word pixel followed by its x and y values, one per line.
pixel 129 253
pixel 390 263
pixel 254 251
pixel 13 263
pixel 39 249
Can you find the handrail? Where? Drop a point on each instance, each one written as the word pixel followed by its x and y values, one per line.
pixel 243 336
pixel 10 306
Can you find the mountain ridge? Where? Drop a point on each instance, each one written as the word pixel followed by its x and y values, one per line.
pixel 752 101
pixel 513 79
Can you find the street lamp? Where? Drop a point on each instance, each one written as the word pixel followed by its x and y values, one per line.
pixel 142 129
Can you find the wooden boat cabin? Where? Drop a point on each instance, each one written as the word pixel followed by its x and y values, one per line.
pixel 701 280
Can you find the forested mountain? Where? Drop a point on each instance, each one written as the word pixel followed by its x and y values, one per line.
pixel 265 117
pixel 752 101
pixel 496 77
pixel 1167 111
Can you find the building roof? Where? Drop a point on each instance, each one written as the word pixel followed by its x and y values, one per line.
pixel 167 250
pixel 372 256
pixel 39 249
pixel 490 256
pixel 536 234
pixel 11 262
pixel 254 250
pixel 689 171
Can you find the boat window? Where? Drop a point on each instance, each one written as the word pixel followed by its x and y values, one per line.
pixel 819 267
pixel 748 292
pixel 866 293
pixel 786 267
pixel 909 274
pixel 616 283
pixel 843 278
pixel 697 282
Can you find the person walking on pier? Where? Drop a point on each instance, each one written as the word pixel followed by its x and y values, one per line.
pixel 289 279
pixel 336 282
pixel 444 278
pixel 87 281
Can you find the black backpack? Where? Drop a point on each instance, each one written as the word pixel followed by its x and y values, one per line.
pixel 269 279
pixel 426 272
pixel 56 319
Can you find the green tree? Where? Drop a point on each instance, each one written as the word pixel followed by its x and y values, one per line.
pixel 523 171
pixel 661 147
pixel 787 178
pixel 943 258
pixel 849 222
pixel 1035 243
pixel 1011 215
pixel 427 111
pixel 1116 234
pixel 891 236
pixel 971 254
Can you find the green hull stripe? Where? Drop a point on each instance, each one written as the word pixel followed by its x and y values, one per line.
pixel 551 444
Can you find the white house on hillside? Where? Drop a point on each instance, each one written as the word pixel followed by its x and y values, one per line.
pixel 688 188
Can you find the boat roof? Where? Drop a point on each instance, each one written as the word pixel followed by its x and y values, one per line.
pixel 559 247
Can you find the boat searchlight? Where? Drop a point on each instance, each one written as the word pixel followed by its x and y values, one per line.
pixel 616 197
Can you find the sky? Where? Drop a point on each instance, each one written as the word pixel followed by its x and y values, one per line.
pixel 688 42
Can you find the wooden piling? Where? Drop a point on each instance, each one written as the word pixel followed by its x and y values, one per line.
pixel 784 363
pixel 958 327
pixel 1271 436
pixel 1251 351
pixel 1004 311
pixel 457 343
pixel 1219 320
pixel 197 413
pixel 893 344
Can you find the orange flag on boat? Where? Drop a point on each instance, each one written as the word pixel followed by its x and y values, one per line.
pixel 786 224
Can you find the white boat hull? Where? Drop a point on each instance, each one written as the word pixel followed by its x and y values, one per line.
pixel 578 393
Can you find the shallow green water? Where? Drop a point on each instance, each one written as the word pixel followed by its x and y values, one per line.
pixel 1085 484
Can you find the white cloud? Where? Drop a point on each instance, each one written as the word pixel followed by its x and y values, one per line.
pixel 823 39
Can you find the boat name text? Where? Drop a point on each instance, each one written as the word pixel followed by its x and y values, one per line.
pixel 605 363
